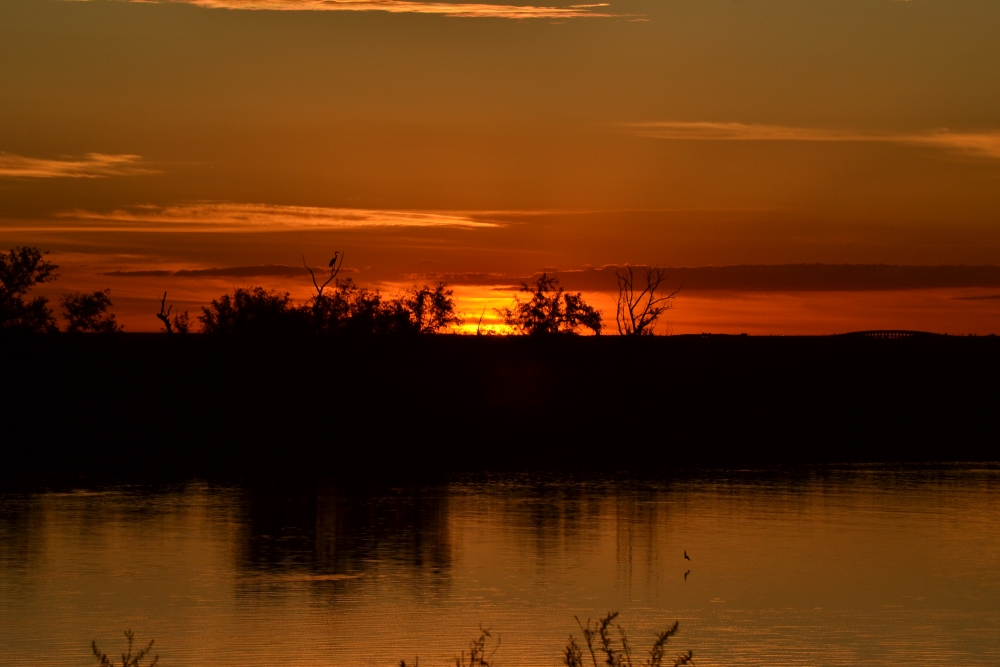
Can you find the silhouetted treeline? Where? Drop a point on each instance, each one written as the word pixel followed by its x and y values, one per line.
pixel 333 387
pixel 346 309
pixel 149 405
pixel 24 268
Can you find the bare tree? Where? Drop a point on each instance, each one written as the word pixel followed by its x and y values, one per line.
pixel 334 267
pixel 638 311
pixel 179 323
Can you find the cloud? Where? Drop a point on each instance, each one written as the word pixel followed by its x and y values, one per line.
pixel 91 165
pixel 225 272
pixel 985 297
pixel 260 270
pixel 454 9
pixel 500 280
pixel 985 144
pixel 216 217
pixel 980 144
pixel 764 278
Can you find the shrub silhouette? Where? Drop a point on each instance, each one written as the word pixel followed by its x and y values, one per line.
pixel 605 641
pixel 251 310
pixel 617 652
pixel 355 310
pixel 348 309
pixel 22 269
pixel 550 311
pixel 128 659
pixel 351 309
pixel 423 310
pixel 89 312
pixel 477 653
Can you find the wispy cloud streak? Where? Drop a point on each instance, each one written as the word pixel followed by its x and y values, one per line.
pixel 979 144
pixel 760 278
pixel 91 165
pixel 262 270
pixel 224 216
pixel 455 9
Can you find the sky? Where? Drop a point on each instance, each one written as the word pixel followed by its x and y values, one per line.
pixel 144 143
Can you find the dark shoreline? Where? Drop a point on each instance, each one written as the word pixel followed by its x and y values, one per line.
pixel 140 407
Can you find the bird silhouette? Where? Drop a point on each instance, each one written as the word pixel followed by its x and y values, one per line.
pixel 333 262
pixel 686 557
pixel 686 575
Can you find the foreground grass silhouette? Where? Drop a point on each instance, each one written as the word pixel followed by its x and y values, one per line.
pixel 128 659
pixel 603 638
pixel 616 651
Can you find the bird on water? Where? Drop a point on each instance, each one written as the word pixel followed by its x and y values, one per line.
pixel 686 557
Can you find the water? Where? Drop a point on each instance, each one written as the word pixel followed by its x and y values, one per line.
pixel 829 567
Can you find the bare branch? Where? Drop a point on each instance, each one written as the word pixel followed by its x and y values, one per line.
pixel 315 284
pixel 637 313
pixel 164 315
pixel 334 270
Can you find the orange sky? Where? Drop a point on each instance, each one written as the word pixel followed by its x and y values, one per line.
pixel 463 140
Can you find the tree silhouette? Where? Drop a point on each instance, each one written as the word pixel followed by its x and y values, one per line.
pixel 430 310
pixel 334 267
pixel 637 312
pixel 180 323
pixel 347 309
pixel 22 269
pixel 252 310
pixel 89 312
pixel 354 310
pixel 550 311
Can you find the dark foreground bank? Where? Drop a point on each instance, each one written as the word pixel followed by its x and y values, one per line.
pixel 146 405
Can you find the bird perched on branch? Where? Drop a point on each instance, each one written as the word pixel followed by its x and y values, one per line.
pixel 333 262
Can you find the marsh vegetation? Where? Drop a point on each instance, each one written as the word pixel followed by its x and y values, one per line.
pixel 605 643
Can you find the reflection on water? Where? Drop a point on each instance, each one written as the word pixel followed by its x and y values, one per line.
pixel 829 567
pixel 330 539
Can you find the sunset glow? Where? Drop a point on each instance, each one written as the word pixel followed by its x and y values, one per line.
pixel 172 146
pixel 92 165
pixel 982 144
pixel 499 333
pixel 456 9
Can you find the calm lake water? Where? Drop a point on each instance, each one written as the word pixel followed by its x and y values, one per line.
pixel 852 566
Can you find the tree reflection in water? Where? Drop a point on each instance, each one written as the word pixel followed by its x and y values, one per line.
pixel 330 538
